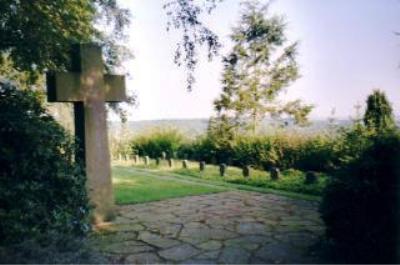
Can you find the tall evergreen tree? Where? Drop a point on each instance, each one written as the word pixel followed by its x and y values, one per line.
pixel 258 69
pixel 378 114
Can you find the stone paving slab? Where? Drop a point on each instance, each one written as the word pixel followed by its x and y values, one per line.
pixel 231 227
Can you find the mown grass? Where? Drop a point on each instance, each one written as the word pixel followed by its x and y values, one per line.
pixel 291 180
pixel 132 186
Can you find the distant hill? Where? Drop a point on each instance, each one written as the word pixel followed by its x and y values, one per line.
pixel 190 127
pixel 194 127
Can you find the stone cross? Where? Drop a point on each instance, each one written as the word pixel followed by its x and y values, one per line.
pixel 89 88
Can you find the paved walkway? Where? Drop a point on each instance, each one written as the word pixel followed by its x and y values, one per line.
pixel 227 227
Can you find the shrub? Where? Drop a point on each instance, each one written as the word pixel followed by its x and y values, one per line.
pixel 284 150
pixel 159 140
pixel 360 205
pixel 257 151
pixel 201 149
pixel 308 152
pixel 316 153
pixel 42 191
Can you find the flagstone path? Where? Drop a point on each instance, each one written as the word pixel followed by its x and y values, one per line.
pixel 228 227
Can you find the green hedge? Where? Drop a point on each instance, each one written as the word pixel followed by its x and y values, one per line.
pixel 307 152
pixel 361 204
pixel 304 152
pixel 154 142
pixel 42 191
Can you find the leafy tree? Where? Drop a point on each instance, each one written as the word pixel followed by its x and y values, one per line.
pixel 221 132
pixel 37 35
pixel 378 115
pixel 185 16
pixel 258 69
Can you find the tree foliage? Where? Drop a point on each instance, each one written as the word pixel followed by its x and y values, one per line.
pixel 36 35
pixel 184 16
pixel 378 115
pixel 42 190
pixel 258 70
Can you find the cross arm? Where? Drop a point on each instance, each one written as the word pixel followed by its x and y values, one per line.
pixel 63 87
pixel 114 86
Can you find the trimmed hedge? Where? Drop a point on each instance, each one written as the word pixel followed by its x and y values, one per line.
pixel 304 152
pixel 157 141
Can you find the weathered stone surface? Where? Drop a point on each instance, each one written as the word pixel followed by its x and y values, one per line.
pixel 205 234
pixel 195 235
pixel 210 255
pixel 88 88
pixel 202 166
pixel 211 245
pixel 245 243
pixel 228 227
pixel 143 258
pixel 129 227
pixel 222 170
pixel 199 261
pixel 170 230
pixel 251 228
pixel 147 160
pixel 234 255
pixel 115 237
pixel 179 253
pixel 275 173
pixel 157 240
pixel 279 253
pixel 246 171
pixel 127 247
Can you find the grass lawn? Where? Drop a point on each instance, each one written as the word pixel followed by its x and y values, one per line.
pixel 132 186
pixel 291 180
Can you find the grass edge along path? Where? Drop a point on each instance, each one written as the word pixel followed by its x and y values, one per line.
pixel 133 186
pixel 222 184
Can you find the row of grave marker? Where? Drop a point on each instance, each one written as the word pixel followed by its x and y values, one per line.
pixel 311 176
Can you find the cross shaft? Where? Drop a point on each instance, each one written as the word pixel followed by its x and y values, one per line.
pixel 89 88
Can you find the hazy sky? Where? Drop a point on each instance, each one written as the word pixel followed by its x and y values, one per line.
pixel 347 48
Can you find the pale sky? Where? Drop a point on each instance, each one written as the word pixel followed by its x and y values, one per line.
pixel 347 48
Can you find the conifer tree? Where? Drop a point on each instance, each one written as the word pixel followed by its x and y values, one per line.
pixel 258 69
pixel 378 114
